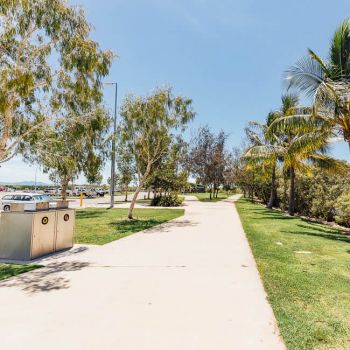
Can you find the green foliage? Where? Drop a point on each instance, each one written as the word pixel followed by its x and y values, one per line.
pixel 327 82
pixel 74 144
pixel 318 194
pixel 169 175
pixel 298 142
pixel 46 50
pixel 207 158
pixel 125 166
pixel 342 205
pixel 148 125
pixel 169 200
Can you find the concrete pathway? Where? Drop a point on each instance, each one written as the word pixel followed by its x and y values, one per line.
pixel 190 284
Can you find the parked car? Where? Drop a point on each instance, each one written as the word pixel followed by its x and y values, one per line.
pixel 15 198
pixel 100 192
pixel 50 191
pixel 87 192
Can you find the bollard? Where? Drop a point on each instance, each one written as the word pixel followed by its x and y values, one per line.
pixel 81 199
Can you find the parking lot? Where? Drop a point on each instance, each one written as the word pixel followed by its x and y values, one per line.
pixel 94 202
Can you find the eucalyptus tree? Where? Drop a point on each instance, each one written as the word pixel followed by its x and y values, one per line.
pixel 148 124
pixel 126 169
pixel 207 158
pixel 45 48
pixel 74 144
pixel 170 174
pixel 327 82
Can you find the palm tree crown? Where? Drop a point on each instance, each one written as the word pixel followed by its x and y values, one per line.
pixel 328 82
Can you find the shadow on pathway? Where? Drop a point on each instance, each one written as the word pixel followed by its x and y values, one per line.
pixel 45 279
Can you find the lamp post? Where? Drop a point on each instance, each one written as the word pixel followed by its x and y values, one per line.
pixel 36 169
pixel 113 145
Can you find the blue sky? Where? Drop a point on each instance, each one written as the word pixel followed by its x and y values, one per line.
pixel 227 55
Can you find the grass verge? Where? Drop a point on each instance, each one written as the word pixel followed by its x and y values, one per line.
pixel 305 269
pixel 9 270
pixel 205 197
pixel 100 226
pixel 140 201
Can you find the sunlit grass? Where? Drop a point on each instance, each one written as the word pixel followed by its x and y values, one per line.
pixel 100 226
pixel 305 268
pixel 9 270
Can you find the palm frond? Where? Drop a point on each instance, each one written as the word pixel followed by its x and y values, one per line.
pixel 306 75
pixel 253 125
pixel 305 144
pixel 318 59
pixel 264 152
pixel 253 137
pixel 340 50
pixel 289 102
pixel 329 164
pixel 293 124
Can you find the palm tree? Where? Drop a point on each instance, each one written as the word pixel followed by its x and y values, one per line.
pixel 298 147
pixel 261 140
pixel 327 82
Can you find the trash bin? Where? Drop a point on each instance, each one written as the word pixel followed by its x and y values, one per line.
pixel 26 235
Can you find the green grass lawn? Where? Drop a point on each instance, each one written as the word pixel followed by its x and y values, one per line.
pixel 140 201
pixel 309 292
pixel 205 197
pixel 100 226
pixel 9 270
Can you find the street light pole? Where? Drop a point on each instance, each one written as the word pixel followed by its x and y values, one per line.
pixel 113 146
pixel 36 169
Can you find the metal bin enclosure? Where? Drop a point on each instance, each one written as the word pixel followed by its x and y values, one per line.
pixel 65 220
pixel 29 235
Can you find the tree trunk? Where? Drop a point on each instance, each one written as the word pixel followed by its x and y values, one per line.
pixel 126 193
pixel 138 190
pixel 6 129
pixel 64 184
pixel 273 195
pixel 149 193
pixel 291 204
pixel 252 190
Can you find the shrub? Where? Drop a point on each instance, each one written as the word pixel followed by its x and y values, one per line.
pixel 342 206
pixel 171 200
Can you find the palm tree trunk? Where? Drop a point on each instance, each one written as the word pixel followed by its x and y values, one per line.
pixel 252 189
pixel 273 194
pixel 291 205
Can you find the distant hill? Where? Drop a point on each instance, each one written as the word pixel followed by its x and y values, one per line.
pixel 24 183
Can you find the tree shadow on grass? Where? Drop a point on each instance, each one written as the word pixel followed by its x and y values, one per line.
pixel 87 214
pixel 269 214
pixel 45 279
pixel 316 230
pixel 129 226
pixel 150 225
